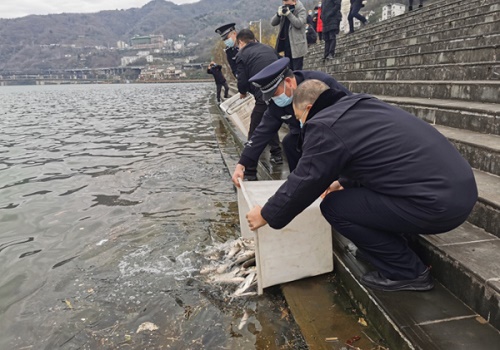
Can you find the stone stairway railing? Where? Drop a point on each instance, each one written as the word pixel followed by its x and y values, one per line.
pixel 442 64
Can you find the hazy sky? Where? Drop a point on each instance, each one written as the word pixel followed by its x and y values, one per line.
pixel 20 8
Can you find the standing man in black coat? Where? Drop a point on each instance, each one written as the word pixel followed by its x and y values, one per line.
pixel 277 83
pixel 251 59
pixel 331 17
pixel 382 172
pixel 220 80
pixel 227 34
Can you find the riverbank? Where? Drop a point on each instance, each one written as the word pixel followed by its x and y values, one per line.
pixel 28 82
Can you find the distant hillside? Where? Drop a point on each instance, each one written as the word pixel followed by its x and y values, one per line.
pixel 20 38
pixel 59 41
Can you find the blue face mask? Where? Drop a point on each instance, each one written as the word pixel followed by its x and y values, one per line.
pixel 229 42
pixel 283 100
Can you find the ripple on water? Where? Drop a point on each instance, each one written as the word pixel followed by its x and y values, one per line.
pixel 106 194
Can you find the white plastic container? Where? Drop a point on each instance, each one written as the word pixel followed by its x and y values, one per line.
pixel 301 249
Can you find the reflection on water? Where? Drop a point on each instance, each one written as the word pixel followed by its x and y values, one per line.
pixel 107 196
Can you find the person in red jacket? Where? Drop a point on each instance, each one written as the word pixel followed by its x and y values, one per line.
pixel 319 22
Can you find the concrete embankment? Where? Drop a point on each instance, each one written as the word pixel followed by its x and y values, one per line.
pixel 440 63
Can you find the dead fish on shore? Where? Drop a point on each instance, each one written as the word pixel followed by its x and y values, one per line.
pixel 232 263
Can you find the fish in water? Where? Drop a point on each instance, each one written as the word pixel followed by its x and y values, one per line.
pixel 232 263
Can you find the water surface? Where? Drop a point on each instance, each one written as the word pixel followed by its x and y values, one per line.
pixel 108 194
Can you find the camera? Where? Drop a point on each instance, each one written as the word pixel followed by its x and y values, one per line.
pixel 285 9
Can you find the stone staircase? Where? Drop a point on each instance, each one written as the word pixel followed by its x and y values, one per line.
pixel 442 64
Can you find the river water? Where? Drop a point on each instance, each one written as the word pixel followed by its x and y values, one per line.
pixel 108 193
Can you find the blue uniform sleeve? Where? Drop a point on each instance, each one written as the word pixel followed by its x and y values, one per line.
pixel 323 156
pixel 268 127
pixel 241 74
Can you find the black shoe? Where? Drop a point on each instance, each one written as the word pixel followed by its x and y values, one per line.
pixel 277 159
pixel 375 280
pixel 250 178
pixel 410 8
pixel 225 96
pixel 420 6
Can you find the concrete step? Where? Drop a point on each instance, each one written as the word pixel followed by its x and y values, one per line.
pixel 453 71
pixel 476 91
pixel 429 19
pixel 462 56
pixel 423 35
pixel 418 44
pixel 478 117
pixel 467 256
pixel 447 18
pixel 433 320
pixel 486 212
pixel 482 151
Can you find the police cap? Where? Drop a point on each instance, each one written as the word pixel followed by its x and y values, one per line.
pixel 269 78
pixel 224 30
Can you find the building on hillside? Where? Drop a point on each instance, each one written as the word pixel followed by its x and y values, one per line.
pixel 121 45
pixel 125 61
pixel 147 42
pixel 392 10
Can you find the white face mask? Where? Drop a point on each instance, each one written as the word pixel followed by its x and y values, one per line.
pixel 301 117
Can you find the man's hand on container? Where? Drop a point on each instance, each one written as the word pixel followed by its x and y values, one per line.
pixel 255 219
pixel 238 173
pixel 335 186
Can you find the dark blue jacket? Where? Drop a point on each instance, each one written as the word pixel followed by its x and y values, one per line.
pixel 231 53
pixel 216 71
pixel 251 60
pixel 362 141
pixel 275 116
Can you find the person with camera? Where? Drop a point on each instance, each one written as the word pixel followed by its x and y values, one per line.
pixel 220 80
pixel 292 18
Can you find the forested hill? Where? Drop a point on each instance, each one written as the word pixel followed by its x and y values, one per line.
pixel 23 41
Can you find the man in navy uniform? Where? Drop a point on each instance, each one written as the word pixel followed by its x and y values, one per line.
pixel 227 33
pixel 277 84
pixel 381 172
pixel 251 59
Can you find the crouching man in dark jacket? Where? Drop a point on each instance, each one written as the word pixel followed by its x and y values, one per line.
pixel 382 172
pixel 277 84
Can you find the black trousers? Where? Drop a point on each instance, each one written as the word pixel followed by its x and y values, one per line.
pixel 219 89
pixel 330 43
pixel 354 13
pixel 255 118
pixel 362 216
pixel 410 2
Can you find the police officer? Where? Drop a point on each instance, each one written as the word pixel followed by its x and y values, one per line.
pixel 227 33
pixel 277 83
pixel 251 59
pixel 382 172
